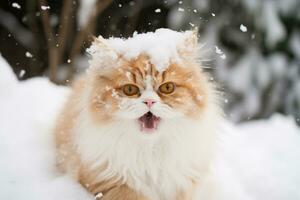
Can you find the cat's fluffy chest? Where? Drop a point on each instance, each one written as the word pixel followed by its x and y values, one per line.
pixel 159 167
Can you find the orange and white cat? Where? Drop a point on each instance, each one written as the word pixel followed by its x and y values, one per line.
pixel 134 131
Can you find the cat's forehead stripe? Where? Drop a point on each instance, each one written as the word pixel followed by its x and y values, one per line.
pixel 133 77
pixel 148 82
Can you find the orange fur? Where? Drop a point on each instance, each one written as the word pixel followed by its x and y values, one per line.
pixel 104 97
pixel 190 85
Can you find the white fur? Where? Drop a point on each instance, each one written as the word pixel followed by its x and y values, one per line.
pixel 157 164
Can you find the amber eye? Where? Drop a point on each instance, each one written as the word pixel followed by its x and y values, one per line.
pixel 167 88
pixel 130 89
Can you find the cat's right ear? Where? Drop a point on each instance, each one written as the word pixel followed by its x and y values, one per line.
pixel 100 46
pixel 102 55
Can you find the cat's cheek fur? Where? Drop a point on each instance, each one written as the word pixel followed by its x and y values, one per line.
pixel 130 109
pixel 165 112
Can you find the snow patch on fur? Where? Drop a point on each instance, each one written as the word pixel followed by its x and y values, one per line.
pixel 162 46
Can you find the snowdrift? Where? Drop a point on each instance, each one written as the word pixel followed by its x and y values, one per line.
pixel 256 160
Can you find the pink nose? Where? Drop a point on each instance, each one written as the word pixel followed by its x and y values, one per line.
pixel 149 102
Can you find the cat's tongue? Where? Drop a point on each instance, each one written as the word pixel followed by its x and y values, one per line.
pixel 148 122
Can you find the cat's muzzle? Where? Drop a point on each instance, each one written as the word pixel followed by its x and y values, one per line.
pixel 149 122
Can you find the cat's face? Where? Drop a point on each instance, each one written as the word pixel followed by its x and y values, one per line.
pixel 137 92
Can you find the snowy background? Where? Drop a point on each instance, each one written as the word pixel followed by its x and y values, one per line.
pixel 252 46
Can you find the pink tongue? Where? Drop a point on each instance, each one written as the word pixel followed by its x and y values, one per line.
pixel 149 121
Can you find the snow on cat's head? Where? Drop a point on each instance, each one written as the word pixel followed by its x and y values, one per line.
pixel 147 80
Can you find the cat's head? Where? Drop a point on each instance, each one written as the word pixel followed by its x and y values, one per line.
pixel 147 81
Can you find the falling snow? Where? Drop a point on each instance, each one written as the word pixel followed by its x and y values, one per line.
pixel 158 10
pixel 45 7
pixel 28 54
pixel 243 28
pixel 22 73
pixel 114 94
pixel 223 56
pixel 220 52
pixel 98 196
pixel 192 25
pixel 181 9
pixel 16 5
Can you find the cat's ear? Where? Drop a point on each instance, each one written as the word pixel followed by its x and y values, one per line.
pixel 100 44
pixel 189 47
pixel 103 56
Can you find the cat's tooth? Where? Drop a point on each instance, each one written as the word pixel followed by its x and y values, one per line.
pixel 156 124
pixel 143 126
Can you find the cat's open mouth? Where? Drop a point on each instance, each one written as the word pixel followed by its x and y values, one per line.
pixel 149 121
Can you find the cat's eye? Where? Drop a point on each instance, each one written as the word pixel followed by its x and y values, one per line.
pixel 167 88
pixel 130 90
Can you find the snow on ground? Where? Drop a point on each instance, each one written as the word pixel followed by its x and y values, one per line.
pixel 258 159
pixel 262 157
pixel 27 169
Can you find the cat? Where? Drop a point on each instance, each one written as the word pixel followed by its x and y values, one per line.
pixel 141 124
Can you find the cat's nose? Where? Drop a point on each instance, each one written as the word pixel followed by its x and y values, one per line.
pixel 149 102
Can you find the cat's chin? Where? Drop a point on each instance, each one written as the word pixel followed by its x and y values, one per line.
pixel 149 122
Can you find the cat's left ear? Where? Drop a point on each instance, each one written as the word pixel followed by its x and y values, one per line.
pixel 189 47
